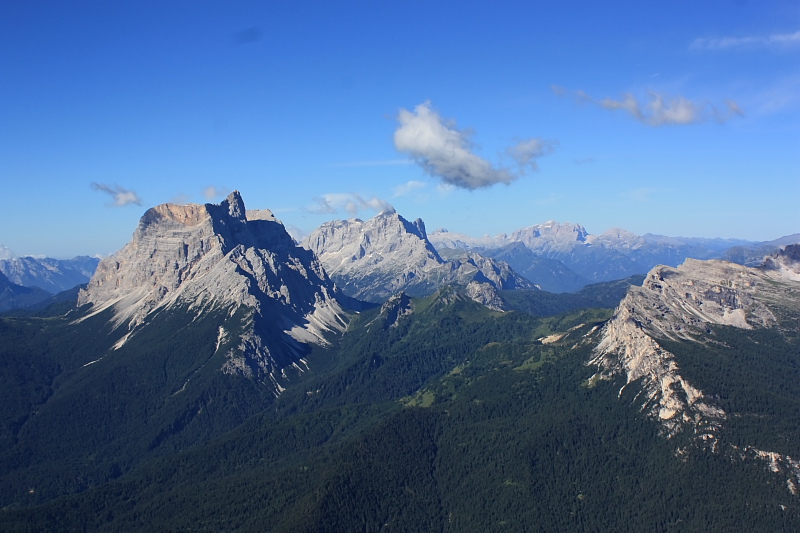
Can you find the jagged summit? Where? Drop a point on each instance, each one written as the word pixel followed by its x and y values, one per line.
pixel 213 256
pixel 374 259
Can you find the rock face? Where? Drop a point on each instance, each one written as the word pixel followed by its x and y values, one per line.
pixel 205 257
pixel 387 254
pixel 679 304
pixel 786 262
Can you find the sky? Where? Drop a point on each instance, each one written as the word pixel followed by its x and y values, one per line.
pixel 678 118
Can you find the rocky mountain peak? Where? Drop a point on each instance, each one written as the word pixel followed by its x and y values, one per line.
pixel 212 256
pixel 550 235
pixel 395 308
pixel 374 259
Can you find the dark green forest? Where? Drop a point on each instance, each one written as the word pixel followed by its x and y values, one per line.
pixel 451 418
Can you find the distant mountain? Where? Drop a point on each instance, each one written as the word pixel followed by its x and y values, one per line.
pixel 550 274
pixel 52 275
pixel 13 296
pixel 202 258
pixel 563 257
pixel 374 259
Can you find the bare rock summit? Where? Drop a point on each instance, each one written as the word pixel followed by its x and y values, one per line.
pixel 211 257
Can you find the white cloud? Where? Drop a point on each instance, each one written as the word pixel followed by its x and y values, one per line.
pixel 526 152
pixel 727 43
pixel 444 151
pixel 120 196
pixel 212 193
pixel 408 188
pixel 350 202
pixel 661 110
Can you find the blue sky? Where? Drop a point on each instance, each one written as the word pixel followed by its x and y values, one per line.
pixel 677 118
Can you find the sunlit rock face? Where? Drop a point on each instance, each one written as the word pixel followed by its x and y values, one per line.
pixel 205 257
pixel 680 304
pixel 374 259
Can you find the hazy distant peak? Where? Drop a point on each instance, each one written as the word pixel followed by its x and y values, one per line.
pixel 6 253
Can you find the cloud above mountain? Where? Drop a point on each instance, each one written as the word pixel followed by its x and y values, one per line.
pixel 119 195
pixel 729 43
pixel 447 153
pixel 351 203
pixel 211 192
pixel 659 109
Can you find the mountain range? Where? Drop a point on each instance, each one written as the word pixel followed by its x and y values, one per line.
pixel 374 259
pixel 215 375
pixel 385 255
pixel 563 257
pixel 51 275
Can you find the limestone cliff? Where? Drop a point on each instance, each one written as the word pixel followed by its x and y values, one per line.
pixel 680 304
pixel 374 259
pixel 204 257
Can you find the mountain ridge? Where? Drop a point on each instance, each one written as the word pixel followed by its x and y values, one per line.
pixel 387 254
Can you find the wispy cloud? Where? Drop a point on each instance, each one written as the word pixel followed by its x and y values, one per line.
pixel 446 152
pixel 352 203
pixel 660 109
pixel 526 152
pixel 383 163
pixel 643 194
pixel 211 192
pixel 409 187
pixel 729 43
pixel 119 195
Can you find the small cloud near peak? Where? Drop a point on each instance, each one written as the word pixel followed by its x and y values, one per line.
pixel 119 195
pixel 351 203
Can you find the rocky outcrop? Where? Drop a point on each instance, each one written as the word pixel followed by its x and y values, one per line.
pixel 785 263
pixel 205 257
pixel 486 294
pixel 374 259
pixel 680 304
